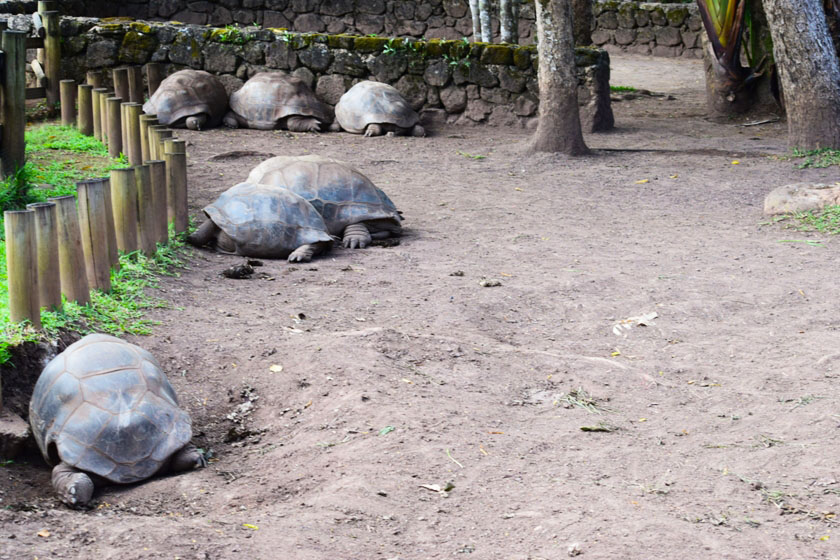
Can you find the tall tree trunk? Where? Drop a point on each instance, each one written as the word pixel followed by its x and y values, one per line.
pixel 558 128
pixel 509 20
pixel 476 20
pixel 582 20
pixel 486 26
pixel 809 72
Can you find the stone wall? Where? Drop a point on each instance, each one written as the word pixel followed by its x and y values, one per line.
pixel 452 81
pixel 648 28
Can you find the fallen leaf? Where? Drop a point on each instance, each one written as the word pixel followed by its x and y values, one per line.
pixel 736 162
pixel 275 368
pixel 642 181
pixel 249 526
pixel 307 405
pixel 624 325
pixel 517 189
pixel 43 533
pixel 386 430
pixel 674 176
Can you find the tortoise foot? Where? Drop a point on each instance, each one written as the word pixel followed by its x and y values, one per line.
pixel 374 130
pixel 303 124
pixel 187 459
pixel 197 122
pixel 418 131
pixel 73 487
pixel 356 236
pixel 335 127
pixel 303 253
pixel 230 120
pixel 205 233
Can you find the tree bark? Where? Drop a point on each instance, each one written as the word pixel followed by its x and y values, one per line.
pixel 486 26
pixel 558 128
pixel 509 20
pixel 582 20
pixel 476 20
pixel 808 70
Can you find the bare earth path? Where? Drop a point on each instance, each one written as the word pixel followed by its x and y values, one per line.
pixel 721 413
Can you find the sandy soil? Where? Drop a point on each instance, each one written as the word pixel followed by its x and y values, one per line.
pixel 719 415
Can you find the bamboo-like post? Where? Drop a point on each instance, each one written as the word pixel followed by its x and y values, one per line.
pixel 103 112
pixel 145 122
pixel 175 155
pixel 12 153
pixel 67 93
pixel 20 267
pixel 46 249
pixel 157 172
pixel 124 202
pixel 131 125
pixel 96 78
pixel 52 54
pixel 120 76
pixel 114 127
pixel 157 135
pixel 71 260
pixel 146 219
pixel 154 75
pixel 94 227
pixel 113 252
pixel 135 84
pixel 85 119
pixel 96 106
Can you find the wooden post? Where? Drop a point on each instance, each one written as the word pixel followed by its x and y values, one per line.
pixel 131 125
pixel 20 267
pixel 175 155
pixel 46 249
pixel 52 52
pixel 85 119
pixel 43 7
pixel 96 78
pixel 71 260
pixel 103 113
pixel 94 227
pixel 145 122
pixel 113 251
pixel 67 92
pixel 157 168
pixel 158 135
pixel 154 75
pixel 121 83
pixel 124 201
pixel 12 154
pixel 135 84
pixel 114 127
pixel 146 219
pixel 96 105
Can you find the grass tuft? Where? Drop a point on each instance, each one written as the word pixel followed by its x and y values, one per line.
pixel 822 157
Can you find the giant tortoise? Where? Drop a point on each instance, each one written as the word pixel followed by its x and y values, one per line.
pixel 373 109
pixel 351 205
pixel 104 409
pixel 263 221
pixel 271 100
pixel 192 98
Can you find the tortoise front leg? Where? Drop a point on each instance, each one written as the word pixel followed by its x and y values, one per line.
pixel 374 130
pixel 304 253
pixel 231 120
pixel 187 459
pixel 356 236
pixel 74 487
pixel 196 122
pixel 303 124
pixel 205 233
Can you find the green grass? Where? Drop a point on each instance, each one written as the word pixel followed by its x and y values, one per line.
pixel 60 156
pixel 827 221
pixel 622 89
pixel 823 157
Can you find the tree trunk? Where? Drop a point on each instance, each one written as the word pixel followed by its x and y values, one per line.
pixel 476 20
pixel 558 128
pixel 808 70
pixel 509 20
pixel 486 26
pixel 582 20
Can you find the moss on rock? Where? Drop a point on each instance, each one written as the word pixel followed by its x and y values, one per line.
pixel 369 44
pixel 497 54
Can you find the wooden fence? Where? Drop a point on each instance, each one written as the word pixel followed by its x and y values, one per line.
pixel 62 247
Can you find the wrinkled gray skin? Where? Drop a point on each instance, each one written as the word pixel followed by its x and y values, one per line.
pixel 91 414
pixel 263 221
pixel 373 109
pixel 274 100
pixel 351 205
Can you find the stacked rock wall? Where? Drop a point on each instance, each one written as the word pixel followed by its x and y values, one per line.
pixel 453 81
pixel 649 28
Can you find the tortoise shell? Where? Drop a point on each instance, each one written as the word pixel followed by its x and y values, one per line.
pixel 105 406
pixel 268 97
pixel 373 103
pixel 340 193
pixel 188 93
pixel 266 221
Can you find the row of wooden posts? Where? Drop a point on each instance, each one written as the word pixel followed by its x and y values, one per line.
pixel 61 247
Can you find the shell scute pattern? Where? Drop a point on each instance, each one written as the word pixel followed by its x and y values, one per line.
pixel 268 97
pixel 373 103
pixel 188 93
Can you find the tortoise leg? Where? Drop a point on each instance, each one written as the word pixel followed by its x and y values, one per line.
pixel 418 131
pixel 335 127
pixel 74 487
pixel 356 236
pixel 230 120
pixel 196 122
pixel 374 130
pixel 204 234
pixel 187 459
pixel 224 243
pixel 304 253
pixel 303 124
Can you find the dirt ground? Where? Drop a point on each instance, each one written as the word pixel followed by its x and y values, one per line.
pixel 401 371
